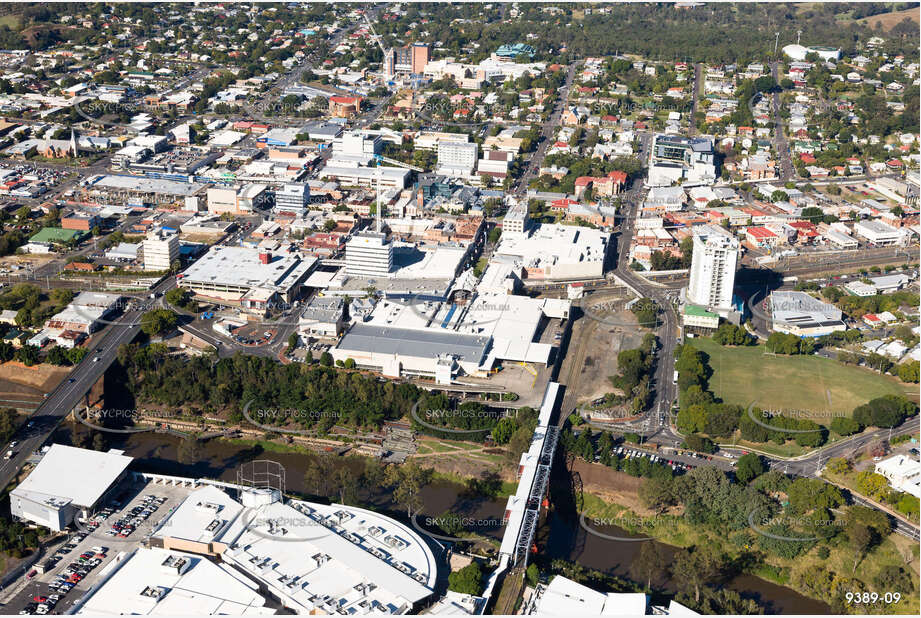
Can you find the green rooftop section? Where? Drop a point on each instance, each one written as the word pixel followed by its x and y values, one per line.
pixel 55 235
pixel 699 312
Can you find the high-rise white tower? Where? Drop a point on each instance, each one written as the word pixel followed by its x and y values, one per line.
pixel 713 268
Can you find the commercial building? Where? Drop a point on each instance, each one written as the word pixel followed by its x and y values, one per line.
pixel 324 316
pixel 400 352
pixel 456 159
pixel 66 482
pixel 293 198
pixel 698 319
pixel 799 52
pixel 902 472
pixel 228 549
pixel 409 59
pixel 516 219
pixel 389 177
pixel 564 597
pixel 878 233
pixel 675 159
pixel 160 248
pixel 225 200
pixel 800 314
pixel 550 251
pixel 250 278
pixel 713 268
pixel 84 314
pixel 149 581
pixel 369 254
pixel 148 190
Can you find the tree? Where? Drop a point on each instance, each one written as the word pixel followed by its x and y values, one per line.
pixel 99 441
pixel 468 580
pixel 838 465
pixel 28 355
pixel 189 451
pixel 504 429
pixel 694 567
pixel 657 494
pixel 871 484
pixel 909 372
pixel 326 359
pixel 8 418
pixel 532 575
pixel 408 481
pixel 649 563
pixel 158 321
pixel 749 467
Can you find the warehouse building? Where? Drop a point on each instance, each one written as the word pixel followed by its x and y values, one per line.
pixel 800 314
pixel 67 482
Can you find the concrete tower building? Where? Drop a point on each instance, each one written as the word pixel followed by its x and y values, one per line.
pixel 713 268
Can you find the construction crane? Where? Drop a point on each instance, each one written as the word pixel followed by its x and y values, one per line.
pixel 380 159
pixel 376 37
pixel 398 163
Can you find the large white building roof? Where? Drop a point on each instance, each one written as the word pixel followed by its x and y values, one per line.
pixel 551 246
pixel 564 597
pixel 77 474
pixel 155 582
pixel 326 558
pixel 241 266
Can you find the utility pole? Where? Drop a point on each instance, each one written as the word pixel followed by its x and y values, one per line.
pixel 798 33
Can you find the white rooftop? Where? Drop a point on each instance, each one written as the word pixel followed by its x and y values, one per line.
pixel 564 597
pixel 80 475
pixel 144 585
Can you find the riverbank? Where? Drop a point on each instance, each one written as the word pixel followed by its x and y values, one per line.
pixel 822 579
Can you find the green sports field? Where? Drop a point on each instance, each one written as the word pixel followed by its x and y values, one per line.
pixel 806 383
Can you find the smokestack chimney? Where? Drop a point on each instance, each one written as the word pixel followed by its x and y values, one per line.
pixel 265 257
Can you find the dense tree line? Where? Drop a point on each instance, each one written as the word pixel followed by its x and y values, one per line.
pixel 789 344
pixel 730 334
pixel 304 395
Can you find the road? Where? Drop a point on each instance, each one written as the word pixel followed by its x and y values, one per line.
pixel 59 402
pixel 692 122
pixel 780 137
pixel 546 134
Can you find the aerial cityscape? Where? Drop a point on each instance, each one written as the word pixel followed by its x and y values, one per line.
pixel 484 308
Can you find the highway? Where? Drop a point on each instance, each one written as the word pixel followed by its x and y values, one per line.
pixel 59 402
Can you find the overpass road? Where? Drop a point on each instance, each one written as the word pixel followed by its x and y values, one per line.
pixel 68 394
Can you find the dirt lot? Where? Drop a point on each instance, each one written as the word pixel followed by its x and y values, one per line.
pixel 606 339
pixel 611 486
pixel 891 19
pixel 39 377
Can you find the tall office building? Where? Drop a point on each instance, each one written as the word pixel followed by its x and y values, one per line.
pixel 293 197
pixel 409 59
pixel 456 158
pixel 369 254
pixel 713 268
pixel 160 248
pixel 421 54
